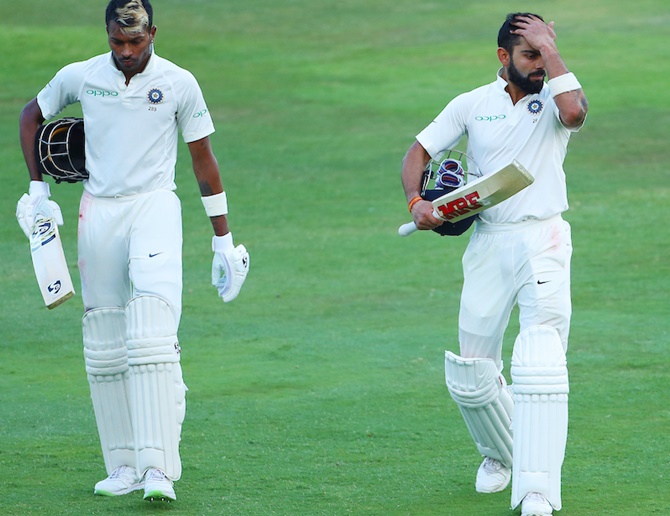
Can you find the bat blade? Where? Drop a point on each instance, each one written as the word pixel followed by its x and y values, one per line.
pixel 483 193
pixel 478 195
pixel 53 276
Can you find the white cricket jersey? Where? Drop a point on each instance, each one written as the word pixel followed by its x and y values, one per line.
pixel 131 131
pixel 499 132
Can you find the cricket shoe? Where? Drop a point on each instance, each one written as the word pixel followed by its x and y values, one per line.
pixel 157 486
pixel 493 476
pixel 122 481
pixel 534 504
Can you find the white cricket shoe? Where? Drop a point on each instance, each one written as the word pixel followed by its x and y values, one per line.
pixel 122 481
pixel 534 504
pixel 493 476
pixel 157 486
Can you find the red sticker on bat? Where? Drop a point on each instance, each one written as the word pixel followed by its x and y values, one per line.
pixel 460 206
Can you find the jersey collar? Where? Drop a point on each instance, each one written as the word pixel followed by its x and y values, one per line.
pixel 501 83
pixel 151 64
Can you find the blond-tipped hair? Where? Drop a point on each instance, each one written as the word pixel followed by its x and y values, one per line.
pixel 132 17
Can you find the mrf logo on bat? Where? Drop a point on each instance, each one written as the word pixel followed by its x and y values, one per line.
pixel 460 206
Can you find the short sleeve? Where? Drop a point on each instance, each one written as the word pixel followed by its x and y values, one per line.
pixel 193 117
pixel 61 91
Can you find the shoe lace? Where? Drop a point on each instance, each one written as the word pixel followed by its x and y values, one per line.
pixel 491 465
pixel 155 474
pixel 536 498
pixel 119 472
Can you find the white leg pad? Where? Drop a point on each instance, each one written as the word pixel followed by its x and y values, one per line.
pixel 480 392
pixel 106 362
pixel 158 393
pixel 540 386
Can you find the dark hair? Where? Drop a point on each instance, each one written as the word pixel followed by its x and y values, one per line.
pixel 506 39
pixel 113 5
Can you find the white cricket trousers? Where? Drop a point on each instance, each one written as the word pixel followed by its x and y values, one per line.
pixel 504 264
pixel 130 246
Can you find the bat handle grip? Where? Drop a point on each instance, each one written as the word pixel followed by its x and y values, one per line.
pixel 407 229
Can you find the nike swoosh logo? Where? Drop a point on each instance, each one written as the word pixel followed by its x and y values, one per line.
pixel 542 282
pixel 151 255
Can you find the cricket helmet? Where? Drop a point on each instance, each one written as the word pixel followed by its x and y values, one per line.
pixel 59 150
pixel 449 176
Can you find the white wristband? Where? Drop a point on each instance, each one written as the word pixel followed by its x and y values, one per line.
pixel 563 83
pixel 215 205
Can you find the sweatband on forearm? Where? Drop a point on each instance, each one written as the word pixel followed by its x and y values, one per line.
pixel 216 204
pixel 563 83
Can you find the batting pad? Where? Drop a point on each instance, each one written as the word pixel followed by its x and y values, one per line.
pixel 480 392
pixel 157 391
pixel 106 361
pixel 540 387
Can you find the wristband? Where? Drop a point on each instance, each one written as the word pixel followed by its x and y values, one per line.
pixel 216 204
pixel 563 83
pixel 413 202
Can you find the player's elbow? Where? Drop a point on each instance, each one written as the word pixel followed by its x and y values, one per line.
pixel 416 152
pixel 31 114
pixel 575 115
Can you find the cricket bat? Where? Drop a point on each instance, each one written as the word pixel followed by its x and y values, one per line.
pixel 49 263
pixel 478 195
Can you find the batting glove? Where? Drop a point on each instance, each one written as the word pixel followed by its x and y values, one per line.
pixel 36 202
pixel 229 267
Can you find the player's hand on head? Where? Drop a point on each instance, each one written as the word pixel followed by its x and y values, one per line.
pixel 37 203
pixel 535 31
pixel 230 266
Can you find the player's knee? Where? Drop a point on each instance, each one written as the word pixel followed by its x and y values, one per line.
pixel 151 328
pixel 104 335
pixel 472 381
pixel 478 345
pixel 104 328
pixel 539 365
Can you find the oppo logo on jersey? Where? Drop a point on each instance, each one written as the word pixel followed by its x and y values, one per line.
pixel 490 118
pixel 460 206
pixel 102 93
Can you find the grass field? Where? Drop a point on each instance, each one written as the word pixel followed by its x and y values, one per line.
pixel 320 390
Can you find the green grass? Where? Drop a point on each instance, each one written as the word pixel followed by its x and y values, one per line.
pixel 320 389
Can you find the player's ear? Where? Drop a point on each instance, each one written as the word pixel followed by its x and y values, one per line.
pixel 503 56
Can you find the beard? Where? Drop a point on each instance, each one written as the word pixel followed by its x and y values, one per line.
pixel 525 82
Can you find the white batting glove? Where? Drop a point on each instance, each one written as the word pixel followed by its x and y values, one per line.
pixel 36 202
pixel 229 267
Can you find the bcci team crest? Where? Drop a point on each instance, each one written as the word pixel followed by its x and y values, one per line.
pixel 535 106
pixel 155 96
